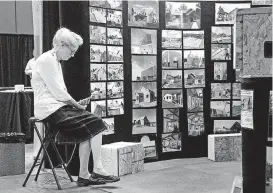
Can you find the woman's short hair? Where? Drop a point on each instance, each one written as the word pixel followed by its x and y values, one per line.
pixel 65 36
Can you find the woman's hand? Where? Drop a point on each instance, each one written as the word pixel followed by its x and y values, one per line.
pixel 84 101
pixel 83 107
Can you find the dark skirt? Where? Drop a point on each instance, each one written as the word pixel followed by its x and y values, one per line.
pixel 75 125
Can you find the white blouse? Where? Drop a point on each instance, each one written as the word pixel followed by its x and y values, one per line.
pixel 48 85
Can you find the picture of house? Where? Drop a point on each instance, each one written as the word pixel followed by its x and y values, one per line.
pixel 171 79
pixel 149 144
pixel 195 100
pixel 114 54
pixel 98 108
pixel 221 51
pixel 227 126
pixel 196 124
pixel 109 123
pixel 114 36
pixel 143 41
pixel 144 121
pixel 225 13
pixel 171 142
pixel 115 71
pixel 97 72
pixel 98 90
pixel 97 15
pixel 171 59
pixel 220 71
pixel 194 78
pixel 97 34
pixel 143 13
pixel 115 89
pixel 236 90
pixel 193 39
pixel 144 68
pixel 114 18
pixel 194 59
pixel 97 53
pixel 171 39
pixel 115 107
pixel 220 34
pixel 182 15
pixel 171 120
pixel 236 108
pixel 220 90
pixel 144 94
pixel 220 108
pixel 172 98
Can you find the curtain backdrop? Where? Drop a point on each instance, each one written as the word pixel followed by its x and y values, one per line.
pixel 15 52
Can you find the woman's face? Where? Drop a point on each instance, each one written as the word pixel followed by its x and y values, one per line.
pixel 67 51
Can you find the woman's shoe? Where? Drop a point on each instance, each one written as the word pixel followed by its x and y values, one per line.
pixel 91 181
pixel 107 179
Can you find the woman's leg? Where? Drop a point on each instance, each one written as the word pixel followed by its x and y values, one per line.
pixel 84 154
pixel 96 143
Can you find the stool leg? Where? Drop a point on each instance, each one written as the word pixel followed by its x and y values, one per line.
pixel 39 169
pixel 61 160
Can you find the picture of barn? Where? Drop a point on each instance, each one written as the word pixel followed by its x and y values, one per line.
pixel 144 121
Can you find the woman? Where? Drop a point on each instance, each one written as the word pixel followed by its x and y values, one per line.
pixel 53 103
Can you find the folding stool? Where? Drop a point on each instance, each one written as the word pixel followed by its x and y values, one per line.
pixel 49 138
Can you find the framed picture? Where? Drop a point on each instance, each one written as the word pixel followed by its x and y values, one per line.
pixel 143 14
pixel 113 4
pixel 144 121
pixel 238 75
pixel 98 108
pixel 221 34
pixel 236 90
pixel 270 103
pixel 221 51
pixel 171 142
pixel 220 108
pixel 171 78
pixel 114 18
pixel 195 99
pixel 225 13
pixel 149 144
pixel 171 39
pixel 144 68
pixel 114 36
pixel 196 124
pixel 171 120
pixel 193 39
pixel 220 90
pixel 98 90
pixel 226 126
pixel 115 89
pixel 194 78
pixel 172 98
pixel 171 59
pixel 143 41
pixel 182 15
pixel 144 94
pixel 194 59
pixel 115 72
pixel 114 54
pixel 236 108
pixel 115 107
pixel 97 34
pixel 97 15
pixel 109 123
pixel 97 53
pixel 98 72
pixel 220 71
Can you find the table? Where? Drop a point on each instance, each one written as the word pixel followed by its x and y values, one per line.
pixel 15 110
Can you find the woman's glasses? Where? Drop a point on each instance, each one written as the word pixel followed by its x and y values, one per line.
pixel 72 52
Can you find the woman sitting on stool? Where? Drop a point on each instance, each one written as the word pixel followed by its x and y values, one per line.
pixel 54 104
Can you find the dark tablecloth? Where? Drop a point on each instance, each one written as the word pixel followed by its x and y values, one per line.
pixel 15 110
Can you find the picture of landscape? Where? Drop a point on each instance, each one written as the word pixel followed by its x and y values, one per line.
pixel 144 121
pixel 220 34
pixel 144 94
pixel 171 142
pixel 193 39
pixel 226 126
pixel 171 39
pixel 171 78
pixel 171 59
pixel 171 120
pixel 144 68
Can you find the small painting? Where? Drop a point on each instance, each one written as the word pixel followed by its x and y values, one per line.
pixel 196 124
pixel 97 53
pixel 144 68
pixel 172 98
pixel 144 121
pixel 115 72
pixel 109 123
pixel 171 59
pixel 236 108
pixel 194 78
pixel 236 90
pixel 97 34
pixel 171 120
pixel 98 90
pixel 115 89
pixel 144 94
pixel 171 78
pixel 220 90
pixel 98 108
pixel 220 34
pixel 193 39
pixel 221 51
pixel 114 54
pixel 195 99
pixel 114 36
pixel 220 71
pixel 220 108
pixel 149 144
pixel 171 142
pixel 172 39
pixel 114 18
pixel 143 41
pixel 194 59
pixel 226 126
pixel 97 72
pixel 115 107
